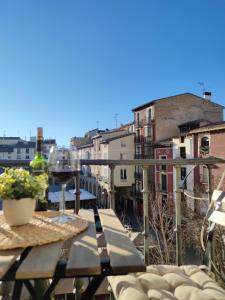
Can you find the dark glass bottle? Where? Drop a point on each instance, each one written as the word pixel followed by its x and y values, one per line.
pixel 38 165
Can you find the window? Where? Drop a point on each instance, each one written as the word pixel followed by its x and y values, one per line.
pixel 147 131
pixel 138 186
pixel 123 144
pixel 123 174
pixel 163 167
pixel 138 152
pixel 205 141
pixel 138 118
pixel 27 150
pixel 27 156
pixel 204 174
pixel 138 136
pixel 182 152
pixel 147 150
pixel 183 173
pixel 149 115
pixel 182 139
pixel 163 183
pixel 18 151
pixel 205 145
pixel 164 201
pixel 138 149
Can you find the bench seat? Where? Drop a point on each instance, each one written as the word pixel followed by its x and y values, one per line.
pixel 167 282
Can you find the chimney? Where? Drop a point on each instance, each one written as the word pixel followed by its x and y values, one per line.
pixel 207 95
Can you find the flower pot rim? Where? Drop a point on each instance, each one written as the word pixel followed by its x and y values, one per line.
pixel 13 199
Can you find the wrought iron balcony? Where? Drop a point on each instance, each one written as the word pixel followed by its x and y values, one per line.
pixel 143 122
pixel 148 139
pixel 138 175
pixel 137 139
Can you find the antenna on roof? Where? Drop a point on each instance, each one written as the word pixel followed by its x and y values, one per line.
pixel 97 122
pixel 4 133
pixel 202 86
pixel 115 118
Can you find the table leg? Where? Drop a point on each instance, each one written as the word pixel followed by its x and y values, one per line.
pixel 92 287
pixel 30 289
pixel 53 284
pixel 17 290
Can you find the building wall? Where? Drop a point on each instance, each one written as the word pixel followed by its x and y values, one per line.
pixel 188 144
pixel 86 153
pixel 171 112
pixel 98 177
pixel 18 153
pixel 166 152
pixel 123 146
pixel 167 115
pixel 199 178
pixel 9 141
pixel 217 149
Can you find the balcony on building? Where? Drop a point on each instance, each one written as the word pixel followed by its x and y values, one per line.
pixel 137 139
pixel 138 175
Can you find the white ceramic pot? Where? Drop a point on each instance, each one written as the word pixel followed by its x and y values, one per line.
pixel 18 212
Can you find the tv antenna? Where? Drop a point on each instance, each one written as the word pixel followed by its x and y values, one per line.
pixel 97 122
pixel 202 85
pixel 116 118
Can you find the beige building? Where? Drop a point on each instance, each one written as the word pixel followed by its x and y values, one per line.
pixel 116 145
pixel 14 148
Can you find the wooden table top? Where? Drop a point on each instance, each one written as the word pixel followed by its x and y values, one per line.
pixel 83 254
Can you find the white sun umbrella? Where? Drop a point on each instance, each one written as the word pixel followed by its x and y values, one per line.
pixel 84 195
pixel 52 197
pixel 58 196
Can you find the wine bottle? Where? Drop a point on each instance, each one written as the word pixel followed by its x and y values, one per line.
pixel 38 165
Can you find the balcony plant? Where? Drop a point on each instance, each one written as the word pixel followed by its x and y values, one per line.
pixel 19 191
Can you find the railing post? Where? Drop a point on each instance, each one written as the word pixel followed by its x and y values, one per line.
pixel 77 201
pixel 209 178
pixel 209 192
pixel 112 190
pixel 178 217
pixel 145 192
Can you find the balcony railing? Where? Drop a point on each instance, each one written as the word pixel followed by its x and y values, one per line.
pixel 139 194
pixel 148 139
pixel 137 139
pixel 144 163
pixel 143 122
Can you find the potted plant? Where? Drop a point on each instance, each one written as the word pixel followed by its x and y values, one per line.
pixel 19 191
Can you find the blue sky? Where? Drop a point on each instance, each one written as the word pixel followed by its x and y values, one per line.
pixel 70 65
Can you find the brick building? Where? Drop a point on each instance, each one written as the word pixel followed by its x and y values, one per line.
pixel 159 120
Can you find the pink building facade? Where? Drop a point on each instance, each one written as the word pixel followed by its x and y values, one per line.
pixel 164 178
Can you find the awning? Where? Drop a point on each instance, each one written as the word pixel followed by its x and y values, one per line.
pixel 55 197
